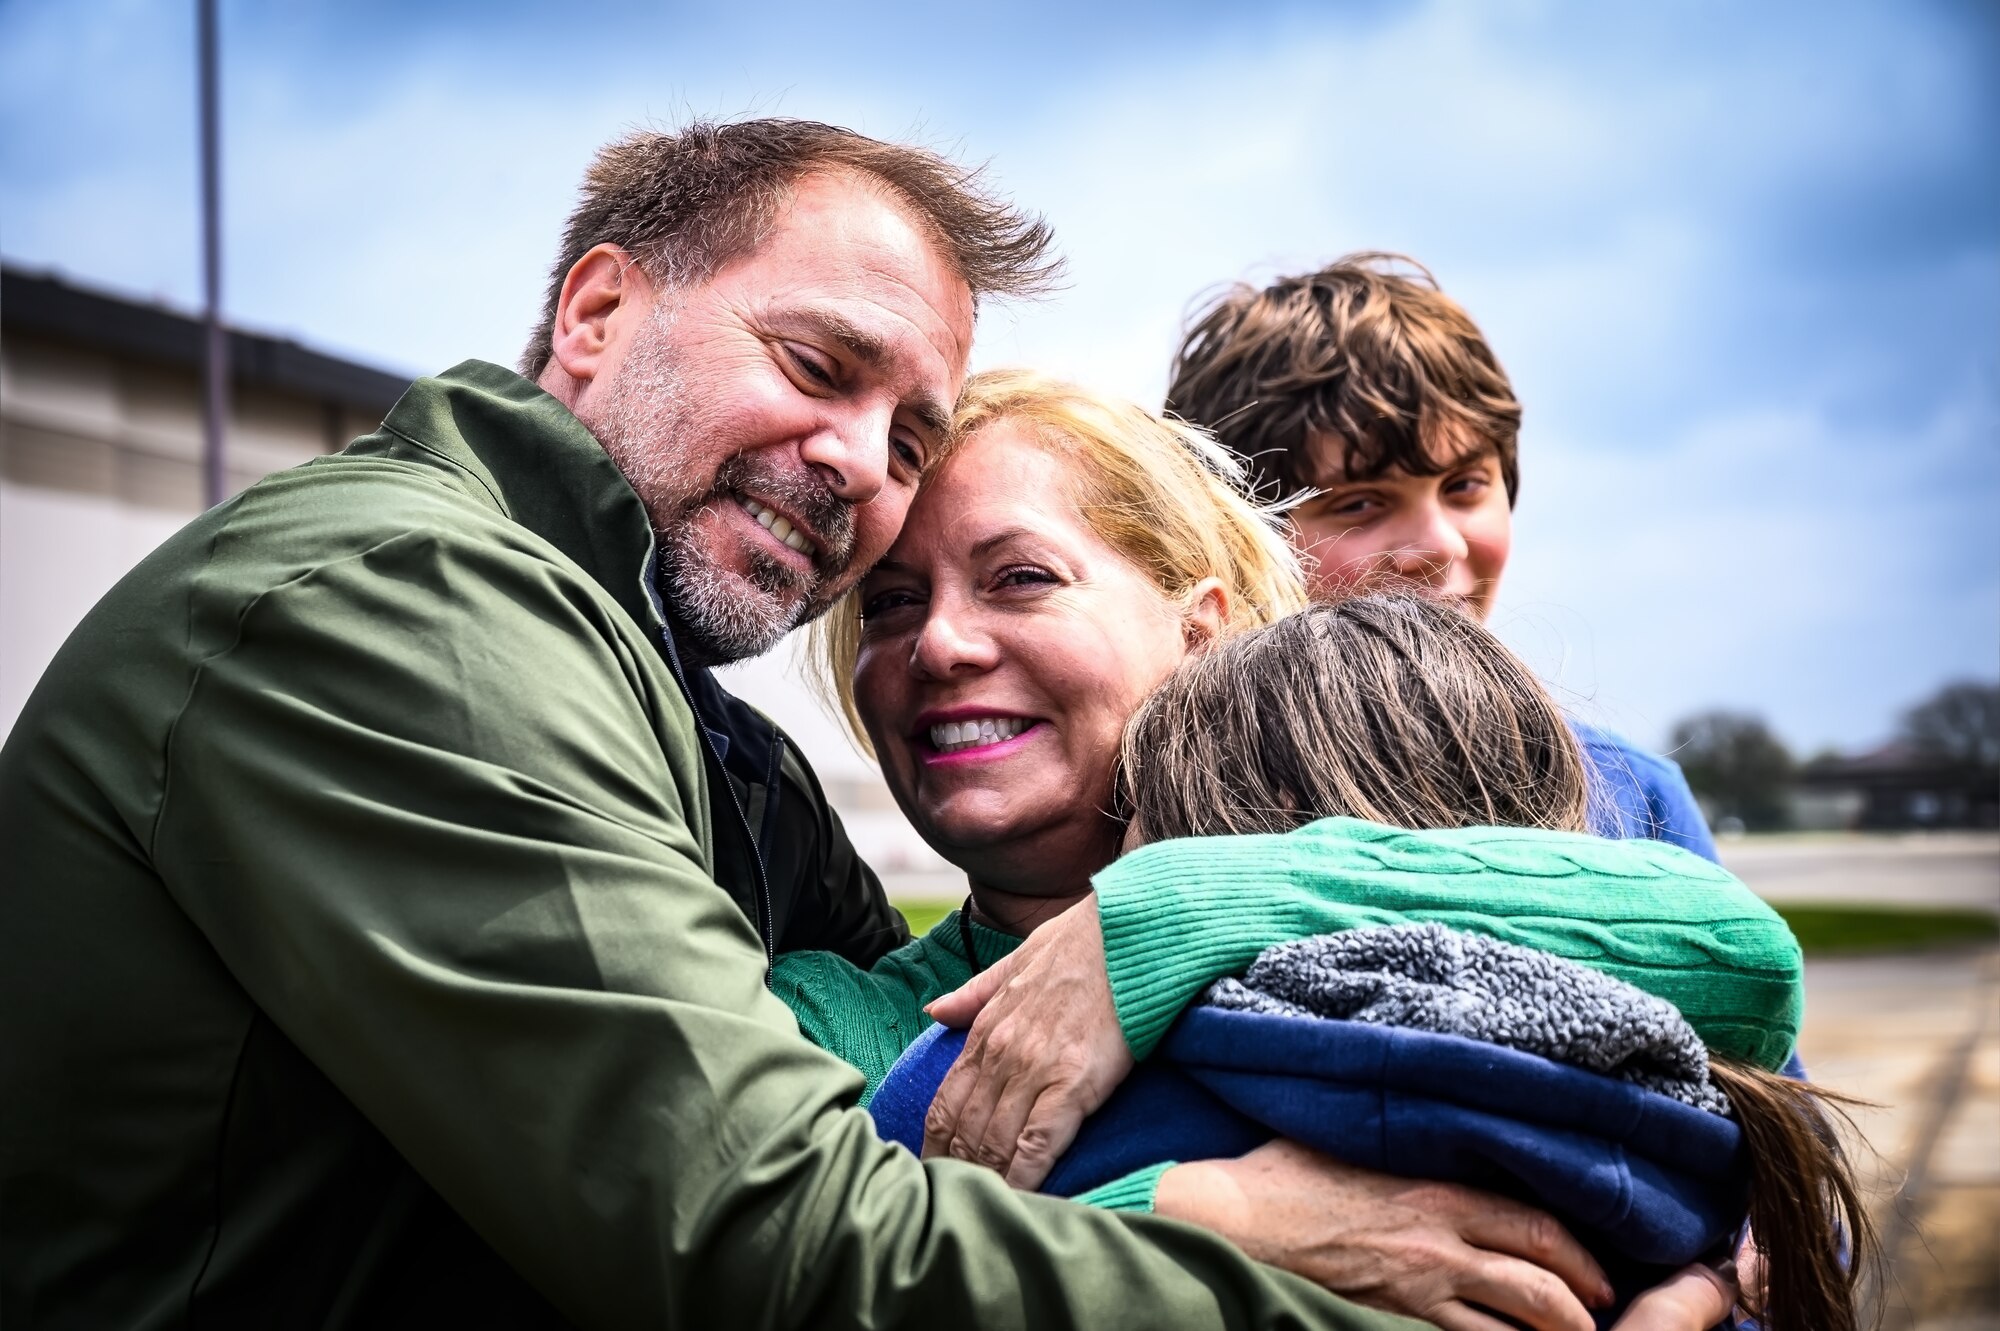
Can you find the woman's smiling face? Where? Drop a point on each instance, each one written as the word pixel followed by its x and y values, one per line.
pixel 1003 645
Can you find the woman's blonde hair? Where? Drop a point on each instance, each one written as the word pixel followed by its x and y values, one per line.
pixel 1164 495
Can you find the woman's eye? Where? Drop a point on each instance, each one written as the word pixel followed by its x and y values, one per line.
pixel 881 603
pixel 811 367
pixel 1023 576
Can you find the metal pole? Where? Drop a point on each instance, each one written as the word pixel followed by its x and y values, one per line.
pixel 216 362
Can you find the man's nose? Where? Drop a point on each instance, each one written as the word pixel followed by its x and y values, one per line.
pixel 951 644
pixel 851 454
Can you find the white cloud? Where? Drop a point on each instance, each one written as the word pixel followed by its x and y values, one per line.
pixel 1627 204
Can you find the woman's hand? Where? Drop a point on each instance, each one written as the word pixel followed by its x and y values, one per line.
pixel 1695 1299
pixel 1045 1050
pixel 1427 1250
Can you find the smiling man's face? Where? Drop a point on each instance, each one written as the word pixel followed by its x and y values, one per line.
pixel 776 419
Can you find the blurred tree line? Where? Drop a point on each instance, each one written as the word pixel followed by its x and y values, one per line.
pixel 1742 770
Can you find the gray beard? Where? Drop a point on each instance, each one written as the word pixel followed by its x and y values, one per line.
pixel 719 616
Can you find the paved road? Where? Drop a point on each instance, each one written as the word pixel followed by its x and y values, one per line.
pixel 1928 869
pixel 1920 1036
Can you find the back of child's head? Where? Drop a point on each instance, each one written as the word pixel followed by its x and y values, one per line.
pixel 1356 369
pixel 1393 707
pixel 1400 709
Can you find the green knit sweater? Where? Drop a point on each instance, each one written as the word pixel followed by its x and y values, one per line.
pixel 1178 915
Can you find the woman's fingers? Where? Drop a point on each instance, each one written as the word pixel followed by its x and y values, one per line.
pixel 1044 1051
pixel 956 1113
pixel 988 1125
pixel 1536 1237
pixel 959 1008
pixel 1050 1127
pixel 1694 1299
pixel 1391 1243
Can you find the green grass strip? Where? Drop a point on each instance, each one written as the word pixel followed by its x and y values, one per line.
pixel 923 914
pixel 1829 929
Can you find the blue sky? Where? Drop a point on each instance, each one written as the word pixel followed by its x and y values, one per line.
pixel 1743 262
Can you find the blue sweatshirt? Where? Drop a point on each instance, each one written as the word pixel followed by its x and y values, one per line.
pixel 1639 795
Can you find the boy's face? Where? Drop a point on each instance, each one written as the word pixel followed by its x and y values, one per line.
pixel 1449 532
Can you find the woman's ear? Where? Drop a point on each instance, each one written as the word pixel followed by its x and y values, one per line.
pixel 1207 612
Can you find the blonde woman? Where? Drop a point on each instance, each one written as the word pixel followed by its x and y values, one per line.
pixel 1064 558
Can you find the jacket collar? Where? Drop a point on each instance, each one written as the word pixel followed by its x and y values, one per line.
pixel 518 449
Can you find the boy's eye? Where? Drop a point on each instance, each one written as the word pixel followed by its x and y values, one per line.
pixel 1346 506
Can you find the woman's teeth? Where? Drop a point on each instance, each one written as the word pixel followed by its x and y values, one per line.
pixel 956 736
pixel 776 525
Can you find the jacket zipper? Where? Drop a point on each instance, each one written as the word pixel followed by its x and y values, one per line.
pixel 766 925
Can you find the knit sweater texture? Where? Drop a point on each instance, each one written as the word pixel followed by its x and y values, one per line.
pixel 868 1018
pixel 1180 914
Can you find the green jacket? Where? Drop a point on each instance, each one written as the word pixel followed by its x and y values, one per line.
pixel 376 952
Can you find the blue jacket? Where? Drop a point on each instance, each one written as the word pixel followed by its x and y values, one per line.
pixel 1645 1182
pixel 1639 795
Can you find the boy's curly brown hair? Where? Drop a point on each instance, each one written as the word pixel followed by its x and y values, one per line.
pixel 1366 356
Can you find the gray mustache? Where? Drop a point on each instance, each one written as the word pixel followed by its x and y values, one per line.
pixel 829 517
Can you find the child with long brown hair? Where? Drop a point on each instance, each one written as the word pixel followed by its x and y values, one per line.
pixel 1400 710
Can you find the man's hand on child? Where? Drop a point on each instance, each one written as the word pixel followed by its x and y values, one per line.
pixel 1434 1251
pixel 1044 1051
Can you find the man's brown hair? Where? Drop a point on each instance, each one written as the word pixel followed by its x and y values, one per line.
pixel 684 204
pixel 1367 355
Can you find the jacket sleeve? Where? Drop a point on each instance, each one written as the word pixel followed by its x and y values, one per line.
pixel 417 805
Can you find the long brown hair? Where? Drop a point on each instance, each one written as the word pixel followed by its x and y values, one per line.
pixel 1399 709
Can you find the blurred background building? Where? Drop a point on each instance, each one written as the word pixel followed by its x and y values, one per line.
pixel 100 444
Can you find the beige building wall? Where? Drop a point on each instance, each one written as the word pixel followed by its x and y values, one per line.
pixel 100 461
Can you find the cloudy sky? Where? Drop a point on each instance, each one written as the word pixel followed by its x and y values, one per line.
pixel 1743 262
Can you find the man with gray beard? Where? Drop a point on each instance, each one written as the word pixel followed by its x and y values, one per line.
pixel 389 886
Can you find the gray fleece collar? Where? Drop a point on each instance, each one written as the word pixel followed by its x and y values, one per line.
pixel 1430 978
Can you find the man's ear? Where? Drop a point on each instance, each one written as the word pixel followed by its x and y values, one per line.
pixel 601 294
pixel 1207 612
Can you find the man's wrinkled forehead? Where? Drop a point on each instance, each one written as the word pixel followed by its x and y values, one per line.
pixel 845 234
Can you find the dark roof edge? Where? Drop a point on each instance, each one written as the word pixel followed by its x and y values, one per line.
pixel 40 302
